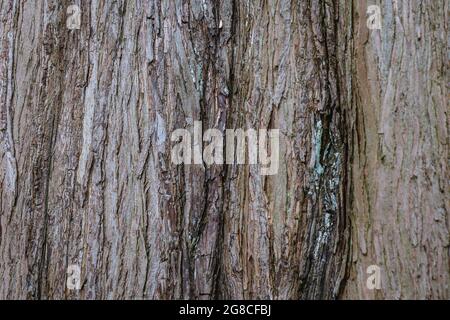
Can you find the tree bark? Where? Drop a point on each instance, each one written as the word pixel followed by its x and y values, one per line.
pixel 398 136
pixel 86 176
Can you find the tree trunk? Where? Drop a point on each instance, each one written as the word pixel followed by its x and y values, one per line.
pixel 397 131
pixel 87 178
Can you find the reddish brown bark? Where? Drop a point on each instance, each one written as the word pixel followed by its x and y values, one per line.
pixel 86 176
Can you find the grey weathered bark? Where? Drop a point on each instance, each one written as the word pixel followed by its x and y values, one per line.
pixel 86 176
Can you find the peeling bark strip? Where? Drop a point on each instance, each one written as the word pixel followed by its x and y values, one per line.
pixel 86 177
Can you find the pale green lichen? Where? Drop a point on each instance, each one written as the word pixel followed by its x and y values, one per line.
pixel 317 146
pixel 317 143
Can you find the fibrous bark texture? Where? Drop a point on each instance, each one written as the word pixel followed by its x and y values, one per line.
pixel 87 179
pixel 397 129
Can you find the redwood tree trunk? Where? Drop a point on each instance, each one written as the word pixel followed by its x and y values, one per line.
pixel 87 179
pixel 397 130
